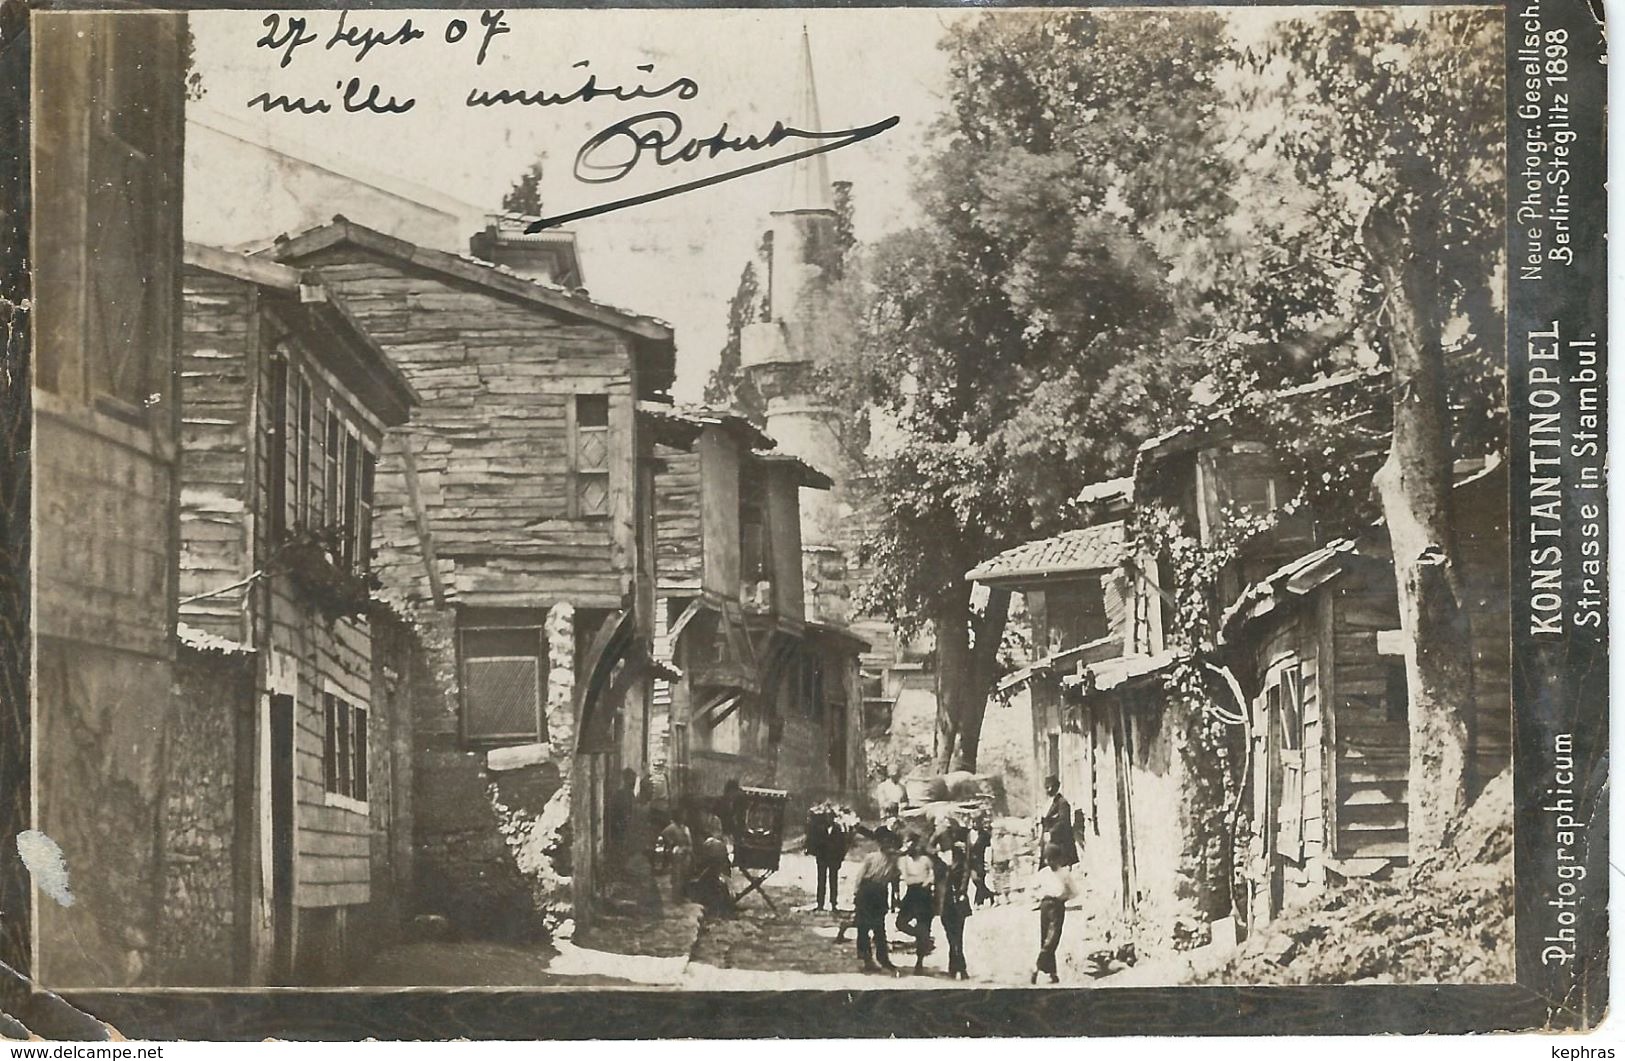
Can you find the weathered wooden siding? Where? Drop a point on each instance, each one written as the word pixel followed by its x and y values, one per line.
pixel 220 337
pixel 678 549
pixel 719 467
pixel 1373 753
pixel 332 835
pixel 491 439
pixel 103 486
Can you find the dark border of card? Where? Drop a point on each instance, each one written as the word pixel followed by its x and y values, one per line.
pixel 1559 687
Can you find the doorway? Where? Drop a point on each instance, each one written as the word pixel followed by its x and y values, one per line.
pixel 282 909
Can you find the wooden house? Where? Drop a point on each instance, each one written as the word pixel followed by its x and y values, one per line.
pixel 285 404
pixel 1126 751
pixel 1318 646
pixel 1142 763
pixel 765 696
pixel 108 97
pixel 515 525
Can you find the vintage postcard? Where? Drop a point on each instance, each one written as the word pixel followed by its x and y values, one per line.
pixel 537 518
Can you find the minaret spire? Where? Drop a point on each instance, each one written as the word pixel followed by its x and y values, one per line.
pixel 809 187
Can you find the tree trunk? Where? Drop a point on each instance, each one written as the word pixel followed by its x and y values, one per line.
pixel 1415 488
pixel 966 668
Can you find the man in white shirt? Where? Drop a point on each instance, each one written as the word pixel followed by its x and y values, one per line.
pixel 1054 889
pixel 918 874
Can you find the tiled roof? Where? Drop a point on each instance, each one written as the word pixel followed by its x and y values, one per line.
pixel 1091 549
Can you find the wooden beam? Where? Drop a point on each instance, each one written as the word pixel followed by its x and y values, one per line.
pixel 431 564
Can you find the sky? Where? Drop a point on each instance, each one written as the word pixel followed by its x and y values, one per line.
pixel 678 259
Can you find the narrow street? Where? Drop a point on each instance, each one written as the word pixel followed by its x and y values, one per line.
pixel 788 946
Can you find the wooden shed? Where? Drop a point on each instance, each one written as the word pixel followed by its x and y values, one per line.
pixel 1318 646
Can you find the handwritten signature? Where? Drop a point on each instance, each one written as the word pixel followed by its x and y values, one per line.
pixel 616 151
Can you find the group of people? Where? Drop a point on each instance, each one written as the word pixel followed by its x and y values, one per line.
pixel 935 879
pixel 919 878
pixel 930 878
pixel 920 875
pixel 687 841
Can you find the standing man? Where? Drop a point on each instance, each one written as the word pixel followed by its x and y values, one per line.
pixel 1054 889
pixel 827 843
pixel 875 873
pixel 889 794
pixel 1056 824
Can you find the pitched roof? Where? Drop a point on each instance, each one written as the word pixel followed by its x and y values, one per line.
pixel 655 334
pixel 356 358
pixel 1091 549
pixel 678 425
pixel 1195 433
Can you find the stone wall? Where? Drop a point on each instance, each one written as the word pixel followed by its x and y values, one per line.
pixel 101 718
pixel 1178 810
pixel 490 832
pixel 200 941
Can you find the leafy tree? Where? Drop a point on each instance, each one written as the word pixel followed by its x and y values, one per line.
pixel 525 197
pixel 1388 128
pixel 1023 338
pixel 728 387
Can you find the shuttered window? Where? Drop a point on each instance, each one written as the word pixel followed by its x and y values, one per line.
pixel 300 509
pixel 504 690
pixel 279 443
pixel 590 456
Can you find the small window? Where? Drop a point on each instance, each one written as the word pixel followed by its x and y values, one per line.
pixel 590 455
pixel 330 742
pixel 352 498
pixel 504 694
pixel 344 748
pixel 363 531
pixel 316 514
pixel 592 410
pixel 358 753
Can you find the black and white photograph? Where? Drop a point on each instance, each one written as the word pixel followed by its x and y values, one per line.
pixel 979 501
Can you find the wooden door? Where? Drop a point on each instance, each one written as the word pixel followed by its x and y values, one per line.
pixel 282 838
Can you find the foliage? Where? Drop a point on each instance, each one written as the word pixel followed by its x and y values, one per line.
pixel 525 197
pixel 1068 244
pixel 1347 112
pixel 311 559
pixel 728 386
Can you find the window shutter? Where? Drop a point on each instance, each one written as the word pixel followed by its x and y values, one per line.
pixel 358 772
pixel 330 745
pixel 502 698
pixel 1289 834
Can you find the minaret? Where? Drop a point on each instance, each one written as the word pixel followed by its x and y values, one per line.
pixel 780 352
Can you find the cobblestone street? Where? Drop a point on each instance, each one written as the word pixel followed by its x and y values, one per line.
pixel 788 945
